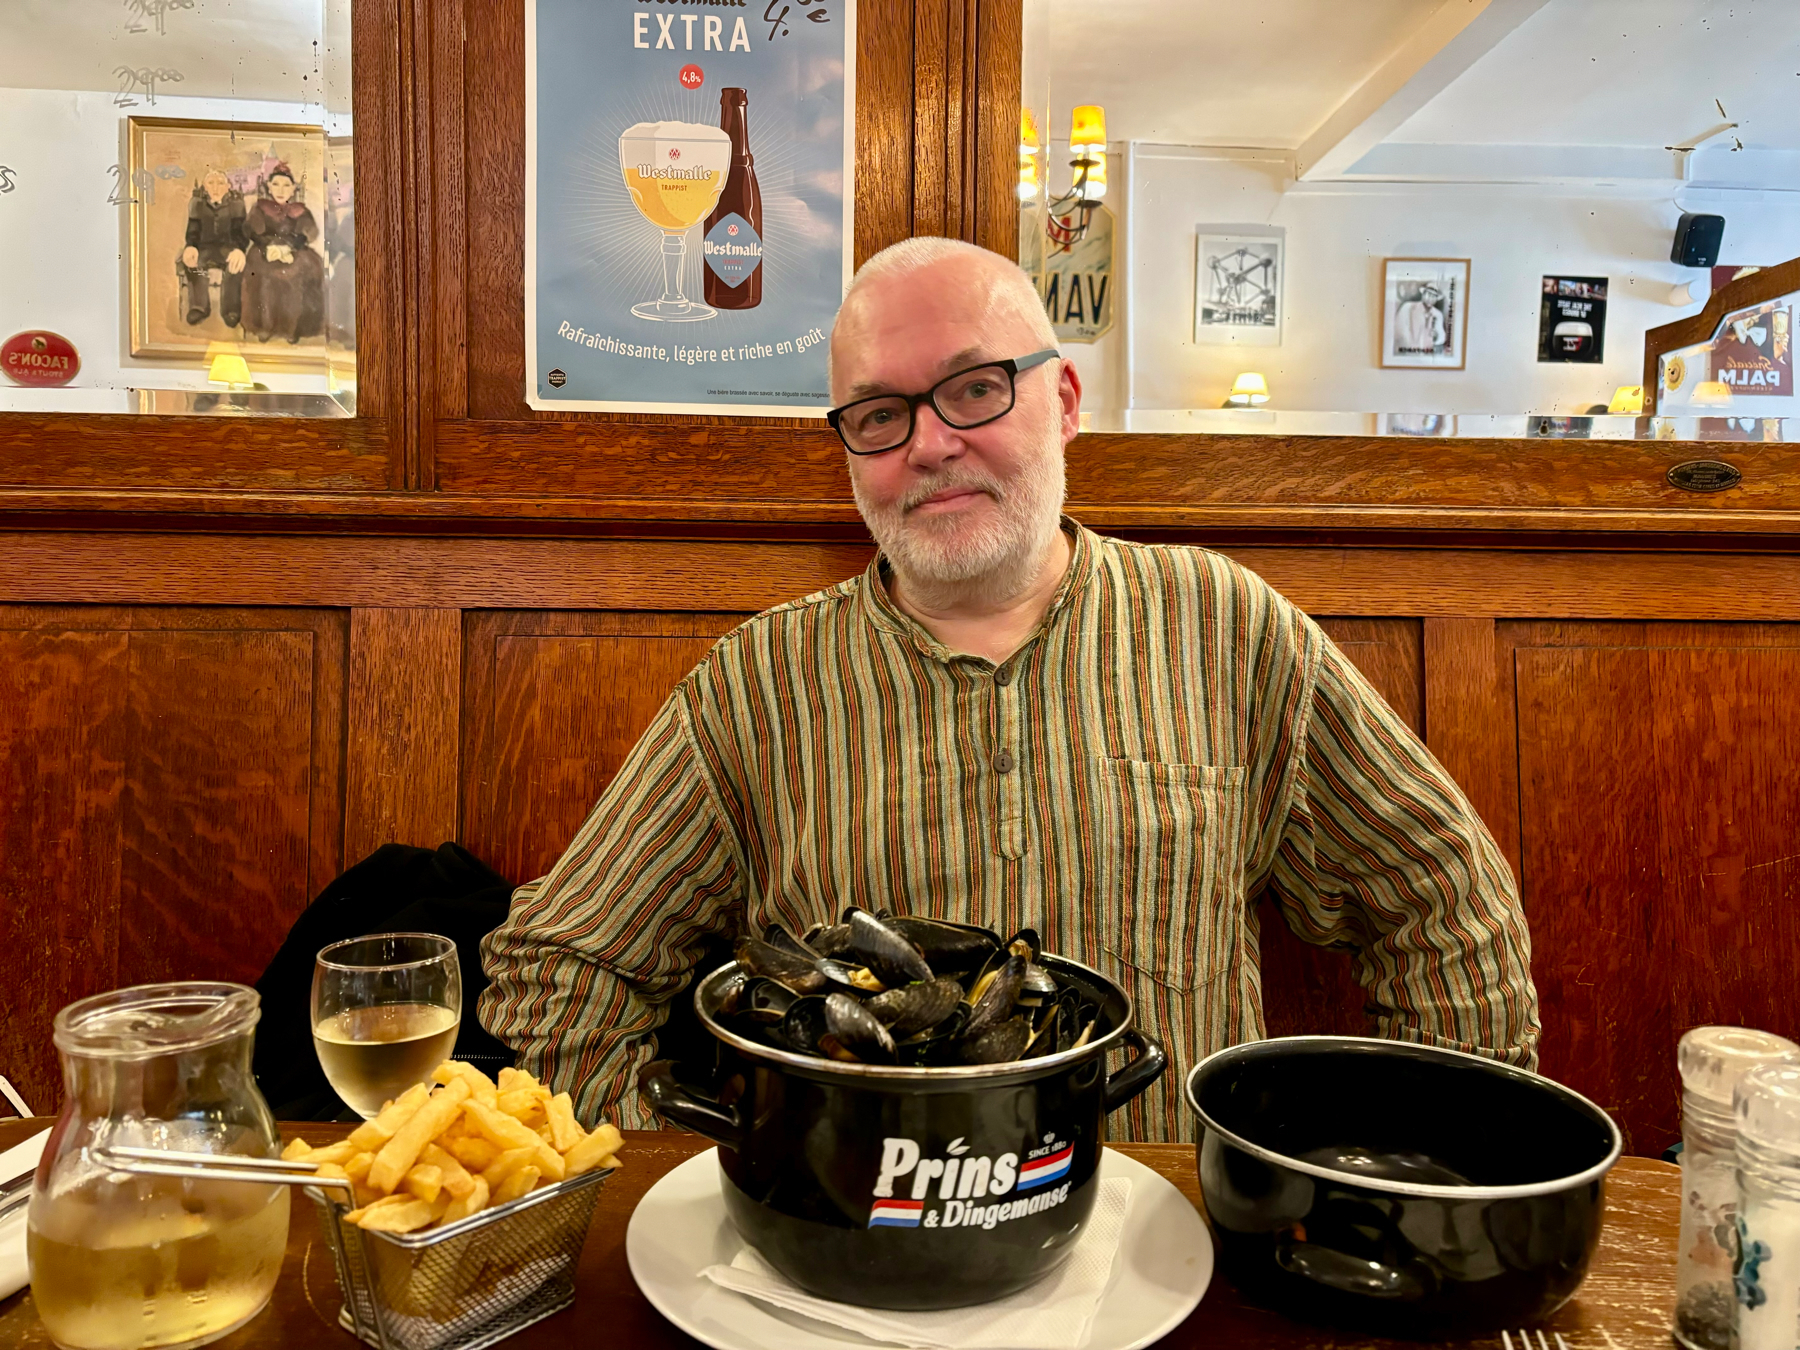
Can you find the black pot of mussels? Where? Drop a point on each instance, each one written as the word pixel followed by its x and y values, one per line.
pixel 910 1112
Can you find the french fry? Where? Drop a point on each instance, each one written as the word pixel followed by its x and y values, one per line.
pixel 456 1177
pixel 424 1181
pixel 472 1203
pixel 510 1078
pixel 565 1130
pixel 296 1149
pixel 357 1169
pixel 373 1134
pixel 603 1143
pixel 398 1155
pixel 333 1170
pixel 402 1218
pixel 499 1127
pixel 517 1184
pixel 356 1215
pixel 505 1165
pixel 525 1105
pixel 481 1087
pixel 340 1152
pixel 472 1151
pixel 550 1164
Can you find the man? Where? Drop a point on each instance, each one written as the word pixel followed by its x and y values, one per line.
pixel 215 238
pixel 1009 720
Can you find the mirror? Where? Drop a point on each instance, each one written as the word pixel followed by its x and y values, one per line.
pixel 1415 217
pixel 177 196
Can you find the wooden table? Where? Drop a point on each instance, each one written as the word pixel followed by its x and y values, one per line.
pixel 1625 1303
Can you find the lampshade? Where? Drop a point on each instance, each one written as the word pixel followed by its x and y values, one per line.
pixel 1627 398
pixel 1712 394
pixel 1028 133
pixel 1090 177
pixel 1249 387
pixel 226 365
pixel 1028 178
pixel 1087 128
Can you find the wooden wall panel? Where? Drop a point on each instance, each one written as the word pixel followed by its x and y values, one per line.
pixel 170 800
pixel 1660 868
pixel 403 715
pixel 1469 722
pixel 555 703
pixel 1312 990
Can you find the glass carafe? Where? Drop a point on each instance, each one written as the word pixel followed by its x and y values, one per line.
pixel 123 1261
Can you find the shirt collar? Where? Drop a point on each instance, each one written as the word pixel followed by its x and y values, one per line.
pixel 881 610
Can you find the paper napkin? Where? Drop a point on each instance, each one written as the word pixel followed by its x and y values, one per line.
pixel 1053 1314
pixel 16 1162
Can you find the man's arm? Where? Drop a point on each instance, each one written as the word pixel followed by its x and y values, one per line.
pixel 584 965
pixel 1381 851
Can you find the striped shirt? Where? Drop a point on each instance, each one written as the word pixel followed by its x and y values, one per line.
pixel 1174 738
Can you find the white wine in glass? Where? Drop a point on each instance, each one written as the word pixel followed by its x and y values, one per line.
pixel 675 171
pixel 385 1013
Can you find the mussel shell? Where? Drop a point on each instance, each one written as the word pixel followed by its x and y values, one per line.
pixel 914 1008
pixel 996 1002
pixel 731 991
pixel 777 935
pixel 893 959
pixel 1028 936
pixel 949 948
pixel 1044 1039
pixel 829 939
pixel 784 967
pixel 766 1001
pixel 999 1044
pixel 852 1032
pixel 1039 983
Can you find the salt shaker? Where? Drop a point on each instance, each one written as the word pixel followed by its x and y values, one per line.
pixel 1712 1060
pixel 1767 1106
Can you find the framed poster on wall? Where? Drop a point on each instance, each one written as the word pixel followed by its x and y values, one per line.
pixel 687 204
pixel 1238 276
pixel 1424 313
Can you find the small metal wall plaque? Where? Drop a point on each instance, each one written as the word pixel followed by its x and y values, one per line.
pixel 1704 475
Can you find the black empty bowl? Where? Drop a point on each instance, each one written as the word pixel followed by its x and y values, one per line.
pixel 1397 1188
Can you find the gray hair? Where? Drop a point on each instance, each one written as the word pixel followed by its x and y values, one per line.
pixel 1012 285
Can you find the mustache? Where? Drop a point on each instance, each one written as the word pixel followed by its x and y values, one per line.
pixel 963 481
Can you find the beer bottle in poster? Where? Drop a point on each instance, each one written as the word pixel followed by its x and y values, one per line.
pixel 734 241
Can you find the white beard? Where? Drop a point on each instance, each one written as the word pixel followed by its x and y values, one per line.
pixel 992 560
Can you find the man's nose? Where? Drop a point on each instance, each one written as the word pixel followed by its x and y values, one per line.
pixel 934 441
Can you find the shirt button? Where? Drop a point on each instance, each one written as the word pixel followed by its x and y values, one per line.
pixel 1003 675
pixel 1003 762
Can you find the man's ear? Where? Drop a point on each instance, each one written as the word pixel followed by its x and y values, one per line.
pixel 1068 391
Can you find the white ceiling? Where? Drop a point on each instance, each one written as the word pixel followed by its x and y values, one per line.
pixel 282 50
pixel 1628 72
pixel 1259 73
pixel 1633 74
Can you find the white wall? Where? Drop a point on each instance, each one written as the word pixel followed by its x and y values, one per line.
pixel 66 246
pixel 1337 235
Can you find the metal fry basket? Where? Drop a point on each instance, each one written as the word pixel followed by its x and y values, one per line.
pixel 470 1284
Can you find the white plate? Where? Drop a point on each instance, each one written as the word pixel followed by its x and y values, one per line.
pixel 680 1227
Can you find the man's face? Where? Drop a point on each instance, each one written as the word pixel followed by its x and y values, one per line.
pixel 954 506
pixel 217 185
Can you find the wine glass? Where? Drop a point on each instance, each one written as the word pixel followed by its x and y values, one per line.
pixel 675 172
pixel 385 1012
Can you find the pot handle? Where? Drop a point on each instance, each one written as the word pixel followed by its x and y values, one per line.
pixel 683 1106
pixel 1139 1074
pixel 1335 1270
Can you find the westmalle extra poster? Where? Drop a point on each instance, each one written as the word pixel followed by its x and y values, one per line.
pixel 687 202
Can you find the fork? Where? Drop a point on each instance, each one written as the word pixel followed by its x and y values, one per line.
pixel 1526 1343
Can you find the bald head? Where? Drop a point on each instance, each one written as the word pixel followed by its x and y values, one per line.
pixel 970 287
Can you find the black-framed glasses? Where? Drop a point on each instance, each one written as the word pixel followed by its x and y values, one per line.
pixel 964 399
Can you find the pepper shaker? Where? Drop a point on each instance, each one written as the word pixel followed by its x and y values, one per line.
pixel 1712 1060
pixel 1767 1107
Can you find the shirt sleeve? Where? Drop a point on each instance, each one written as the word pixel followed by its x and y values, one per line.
pixel 582 970
pixel 1380 851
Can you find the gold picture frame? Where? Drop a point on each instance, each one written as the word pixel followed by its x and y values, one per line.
pixel 256 263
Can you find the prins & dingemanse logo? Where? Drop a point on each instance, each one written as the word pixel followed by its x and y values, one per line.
pixel 971 1190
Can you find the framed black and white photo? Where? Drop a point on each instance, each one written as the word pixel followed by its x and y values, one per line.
pixel 1424 313
pixel 1238 275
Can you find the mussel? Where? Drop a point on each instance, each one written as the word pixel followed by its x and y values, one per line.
pixel 879 988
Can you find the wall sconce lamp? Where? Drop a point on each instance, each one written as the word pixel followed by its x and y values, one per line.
pixel 1249 388
pixel 1087 147
pixel 1627 399
pixel 1712 394
pixel 1028 152
pixel 226 366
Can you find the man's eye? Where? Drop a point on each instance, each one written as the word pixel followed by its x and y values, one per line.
pixel 979 389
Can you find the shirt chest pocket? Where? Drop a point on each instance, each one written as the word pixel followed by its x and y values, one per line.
pixel 1170 856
